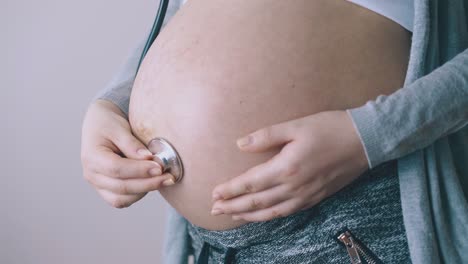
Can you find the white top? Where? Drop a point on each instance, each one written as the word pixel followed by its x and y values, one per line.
pixel 400 11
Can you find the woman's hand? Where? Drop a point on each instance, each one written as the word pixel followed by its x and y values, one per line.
pixel 322 153
pixel 106 141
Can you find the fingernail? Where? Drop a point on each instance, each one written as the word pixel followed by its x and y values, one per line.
pixel 155 172
pixel 216 196
pixel 168 182
pixel 144 152
pixel 216 211
pixel 236 217
pixel 244 141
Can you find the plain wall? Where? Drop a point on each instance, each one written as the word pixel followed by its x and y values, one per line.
pixel 56 55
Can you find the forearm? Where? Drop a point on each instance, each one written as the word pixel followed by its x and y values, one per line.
pixel 415 116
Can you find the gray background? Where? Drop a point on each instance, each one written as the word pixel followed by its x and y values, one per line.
pixel 55 56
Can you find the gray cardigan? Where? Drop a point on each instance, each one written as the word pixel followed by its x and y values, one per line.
pixel 422 125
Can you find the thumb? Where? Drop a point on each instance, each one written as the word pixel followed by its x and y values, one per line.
pixel 266 138
pixel 130 146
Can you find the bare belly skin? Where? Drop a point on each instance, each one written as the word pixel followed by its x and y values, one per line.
pixel 223 69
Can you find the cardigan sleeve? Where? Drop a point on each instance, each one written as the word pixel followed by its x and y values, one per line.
pixel 119 88
pixel 416 115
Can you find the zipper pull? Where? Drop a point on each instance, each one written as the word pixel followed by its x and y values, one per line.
pixel 348 240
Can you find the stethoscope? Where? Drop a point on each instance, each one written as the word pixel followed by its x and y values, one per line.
pixel 163 152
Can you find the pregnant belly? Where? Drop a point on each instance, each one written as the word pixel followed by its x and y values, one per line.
pixel 222 69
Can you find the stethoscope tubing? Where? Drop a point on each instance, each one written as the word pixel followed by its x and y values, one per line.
pixel 157 25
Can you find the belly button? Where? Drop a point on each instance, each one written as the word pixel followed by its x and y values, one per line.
pixel 166 156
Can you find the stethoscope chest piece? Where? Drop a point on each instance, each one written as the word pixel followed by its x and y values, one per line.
pixel 166 155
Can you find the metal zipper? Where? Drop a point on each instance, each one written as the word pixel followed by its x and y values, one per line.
pixel 358 253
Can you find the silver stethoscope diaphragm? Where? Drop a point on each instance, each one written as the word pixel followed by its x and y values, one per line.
pixel 166 156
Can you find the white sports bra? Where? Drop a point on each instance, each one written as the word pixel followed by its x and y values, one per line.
pixel 400 11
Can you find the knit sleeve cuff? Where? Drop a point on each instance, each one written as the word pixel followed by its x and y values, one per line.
pixel 119 95
pixel 370 141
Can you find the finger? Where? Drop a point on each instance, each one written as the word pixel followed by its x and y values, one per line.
pixel 279 210
pixel 255 179
pixel 266 138
pixel 130 186
pixel 109 163
pixel 119 201
pixel 250 202
pixel 130 146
